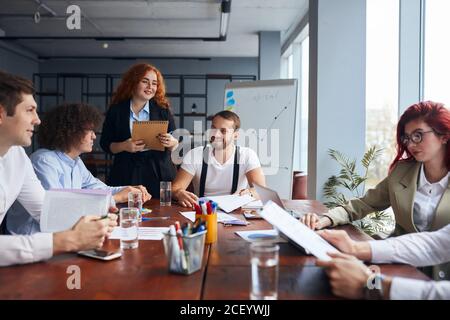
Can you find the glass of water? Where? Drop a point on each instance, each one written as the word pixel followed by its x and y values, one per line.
pixel 129 228
pixel 264 269
pixel 135 201
pixel 165 193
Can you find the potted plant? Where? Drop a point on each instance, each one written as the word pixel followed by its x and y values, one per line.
pixel 378 224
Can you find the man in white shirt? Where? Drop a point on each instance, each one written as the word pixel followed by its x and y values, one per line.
pixel 219 169
pixel 18 181
pixel 350 278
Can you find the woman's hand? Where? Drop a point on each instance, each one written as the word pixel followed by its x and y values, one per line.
pixel 313 221
pixel 168 141
pixel 133 146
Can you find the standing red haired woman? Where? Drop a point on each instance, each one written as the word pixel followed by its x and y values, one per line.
pixel 417 186
pixel 140 96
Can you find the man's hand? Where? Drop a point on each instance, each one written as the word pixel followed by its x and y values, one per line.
pixel 122 195
pixel 185 198
pixel 341 240
pixel 348 275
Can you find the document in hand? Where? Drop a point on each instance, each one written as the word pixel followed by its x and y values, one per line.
pixel 231 202
pixel 64 207
pixel 297 231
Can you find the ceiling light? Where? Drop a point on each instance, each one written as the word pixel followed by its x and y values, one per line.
pixel 224 18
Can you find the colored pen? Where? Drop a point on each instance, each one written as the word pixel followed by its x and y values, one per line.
pixel 154 218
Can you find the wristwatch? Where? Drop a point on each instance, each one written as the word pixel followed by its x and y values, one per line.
pixel 373 290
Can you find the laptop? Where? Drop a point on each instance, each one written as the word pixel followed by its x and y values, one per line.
pixel 266 194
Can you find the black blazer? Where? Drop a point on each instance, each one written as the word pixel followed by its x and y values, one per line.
pixel 116 128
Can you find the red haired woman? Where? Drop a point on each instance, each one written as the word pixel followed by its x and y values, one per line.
pixel 417 186
pixel 140 96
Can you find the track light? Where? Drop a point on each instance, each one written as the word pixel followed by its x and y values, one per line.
pixel 224 19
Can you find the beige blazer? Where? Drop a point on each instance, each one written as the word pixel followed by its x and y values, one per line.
pixel 397 190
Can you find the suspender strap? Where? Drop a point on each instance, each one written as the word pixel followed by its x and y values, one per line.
pixel 205 171
pixel 235 171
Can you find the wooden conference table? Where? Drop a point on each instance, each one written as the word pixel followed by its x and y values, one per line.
pixel 143 273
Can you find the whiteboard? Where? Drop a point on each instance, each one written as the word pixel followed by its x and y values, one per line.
pixel 267 110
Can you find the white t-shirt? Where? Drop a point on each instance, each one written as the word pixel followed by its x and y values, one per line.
pixel 219 179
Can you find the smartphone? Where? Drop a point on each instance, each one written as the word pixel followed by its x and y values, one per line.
pixel 101 254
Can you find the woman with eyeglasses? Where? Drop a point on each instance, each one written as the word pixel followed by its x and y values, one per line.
pixel 140 96
pixel 417 185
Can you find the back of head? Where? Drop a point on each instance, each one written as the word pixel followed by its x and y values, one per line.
pixel 64 126
pixel 12 88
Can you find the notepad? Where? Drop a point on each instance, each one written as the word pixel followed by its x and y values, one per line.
pixel 149 131
pixel 64 207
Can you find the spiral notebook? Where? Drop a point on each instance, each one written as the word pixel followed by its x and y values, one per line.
pixel 149 131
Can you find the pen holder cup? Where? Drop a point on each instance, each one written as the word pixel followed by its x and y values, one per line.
pixel 211 228
pixel 193 246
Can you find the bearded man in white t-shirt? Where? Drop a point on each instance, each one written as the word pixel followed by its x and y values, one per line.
pixel 220 168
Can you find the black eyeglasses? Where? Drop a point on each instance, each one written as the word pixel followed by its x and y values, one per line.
pixel 416 137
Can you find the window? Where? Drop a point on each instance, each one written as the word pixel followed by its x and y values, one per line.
pixel 436 51
pixel 382 52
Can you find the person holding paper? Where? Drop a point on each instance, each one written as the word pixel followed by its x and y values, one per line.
pixel 219 169
pixel 417 186
pixel 18 117
pixel 350 278
pixel 140 96
pixel 66 132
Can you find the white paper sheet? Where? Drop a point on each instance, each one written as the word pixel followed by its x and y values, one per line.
pixel 64 207
pixel 297 231
pixel 231 202
pixel 189 215
pixel 144 233
pixel 222 217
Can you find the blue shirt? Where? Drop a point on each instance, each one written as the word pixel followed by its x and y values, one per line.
pixel 55 170
pixel 143 115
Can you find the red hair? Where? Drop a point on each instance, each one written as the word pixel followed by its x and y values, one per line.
pixel 435 115
pixel 131 79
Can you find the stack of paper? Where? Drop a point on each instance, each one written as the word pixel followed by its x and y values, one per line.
pixel 297 231
pixel 232 202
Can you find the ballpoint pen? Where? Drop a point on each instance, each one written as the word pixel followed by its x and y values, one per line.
pixel 154 218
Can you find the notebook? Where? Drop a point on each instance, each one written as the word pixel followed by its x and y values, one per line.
pixel 148 131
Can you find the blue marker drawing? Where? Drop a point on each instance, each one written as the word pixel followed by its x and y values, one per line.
pixel 231 102
pixel 229 94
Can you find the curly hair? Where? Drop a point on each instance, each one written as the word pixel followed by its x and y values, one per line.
pixel 63 127
pixel 131 79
